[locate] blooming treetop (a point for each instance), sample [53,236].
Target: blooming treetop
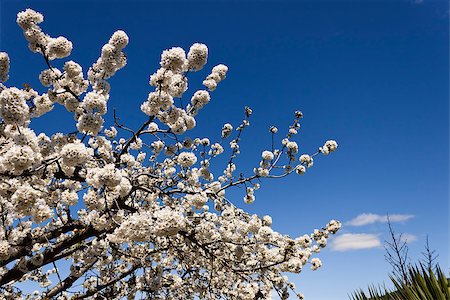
[143,214]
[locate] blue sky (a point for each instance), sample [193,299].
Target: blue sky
[372,75]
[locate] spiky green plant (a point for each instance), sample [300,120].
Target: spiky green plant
[422,284]
[375,293]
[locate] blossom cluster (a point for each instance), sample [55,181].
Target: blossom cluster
[39,41]
[170,81]
[138,212]
[4,66]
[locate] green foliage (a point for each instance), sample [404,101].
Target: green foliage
[422,285]
[374,294]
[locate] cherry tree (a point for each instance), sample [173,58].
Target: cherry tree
[109,212]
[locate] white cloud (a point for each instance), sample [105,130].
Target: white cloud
[355,241]
[408,238]
[366,219]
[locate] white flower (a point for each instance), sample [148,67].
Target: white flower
[200,98]
[197,56]
[137,144]
[304,241]
[111,133]
[328,147]
[149,108]
[157,146]
[205,141]
[109,175]
[119,39]
[29,17]
[273,129]
[189,121]
[162,78]
[13,106]
[59,47]
[90,123]
[306,160]
[153,127]
[216,149]
[4,250]
[267,220]
[218,74]
[187,159]
[226,130]
[333,226]
[69,197]
[267,155]
[94,102]
[178,85]
[300,170]
[254,224]
[198,200]
[75,154]
[231,167]
[72,69]
[174,59]
[263,172]
[42,105]
[322,242]
[221,70]
[210,84]
[293,147]
[316,263]
[234,145]
[139,226]
[4,66]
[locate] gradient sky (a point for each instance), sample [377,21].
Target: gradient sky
[372,75]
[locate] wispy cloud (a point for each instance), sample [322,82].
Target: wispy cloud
[408,237]
[355,241]
[366,219]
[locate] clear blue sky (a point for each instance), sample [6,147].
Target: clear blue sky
[371,74]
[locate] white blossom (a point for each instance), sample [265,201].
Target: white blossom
[119,39]
[329,146]
[13,106]
[4,66]
[111,133]
[137,208]
[187,159]
[267,155]
[59,47]
[90,123]
[200,98]
[174,59]
[226,130]
[75,154]
[197,56]
[300,170]
[316,263]
[306,160]
[293,147]
[218,74]
[273,129]
[4,250]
